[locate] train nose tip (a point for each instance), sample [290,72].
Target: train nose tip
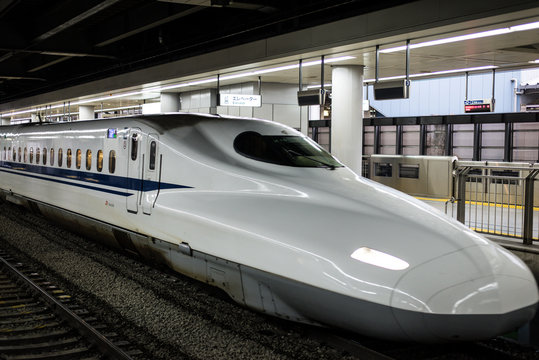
[474,293]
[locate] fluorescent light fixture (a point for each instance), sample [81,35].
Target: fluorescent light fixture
[191,83]
[443,72]
[380,259]
[482,34]
[536,61]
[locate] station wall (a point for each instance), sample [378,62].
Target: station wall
[446,95]
[279,102]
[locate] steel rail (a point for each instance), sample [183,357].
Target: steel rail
[101,342]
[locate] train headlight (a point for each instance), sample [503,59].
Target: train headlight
[378,258]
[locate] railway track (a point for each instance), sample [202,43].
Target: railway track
[39,321]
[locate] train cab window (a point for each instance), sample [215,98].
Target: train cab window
[134,147]
[99,161]
[112,161]
[88,159]
[68,158]
[25,154]
[31,155]
[44,156]
[295,151]
[78,159]
[38,156]
[153,153]
[60,157]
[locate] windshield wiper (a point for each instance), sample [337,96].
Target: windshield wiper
[324,164]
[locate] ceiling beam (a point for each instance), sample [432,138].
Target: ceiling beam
[155,24]
[77,19]
[58,53]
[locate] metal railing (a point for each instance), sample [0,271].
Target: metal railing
[498,198]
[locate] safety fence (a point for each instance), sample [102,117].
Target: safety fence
[497,198]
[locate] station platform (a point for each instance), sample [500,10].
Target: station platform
[491,224]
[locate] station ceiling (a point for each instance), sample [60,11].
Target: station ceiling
[63,44]
[57,44]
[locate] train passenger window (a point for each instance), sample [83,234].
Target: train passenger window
[52,157]
[88,159]
[134,147]
[99,160]
[44,156]
[31,155]
[60,157]
[20,153]
[112,161]
[5,150]
[38,156]
[78,159]
[68,158]
[9,152]
[409,171]
[296,151]
[153,152]
[25,154]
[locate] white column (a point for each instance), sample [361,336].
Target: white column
[6,121]
[170,102]
[347,115]
[86,112]
[34,118]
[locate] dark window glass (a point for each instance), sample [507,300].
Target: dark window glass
[68,158]
[5,152]
[52,157]
[31,155]
[25,154]
[88,159]
[9,152]
[383,169]
[409,171]
[60,157]
[44,156]
[78,159]
[38,155]
[112,161]
[14,156]
[99,160]
[153,153]
[134,146]
[284,150]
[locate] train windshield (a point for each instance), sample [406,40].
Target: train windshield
[295,151]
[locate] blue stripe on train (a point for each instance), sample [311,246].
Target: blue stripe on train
[121,182]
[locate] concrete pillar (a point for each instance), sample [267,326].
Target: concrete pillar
[86,112]
[6,121]
[347,115]
[170,102]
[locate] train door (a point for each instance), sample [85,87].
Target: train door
[151,173]
[134,169]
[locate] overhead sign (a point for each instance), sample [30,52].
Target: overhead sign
[240,100]
[480,105]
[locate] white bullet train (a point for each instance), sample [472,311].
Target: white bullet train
[261,211]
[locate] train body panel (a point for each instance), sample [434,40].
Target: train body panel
[307,240]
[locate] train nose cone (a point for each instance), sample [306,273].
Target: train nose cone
[474,293]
